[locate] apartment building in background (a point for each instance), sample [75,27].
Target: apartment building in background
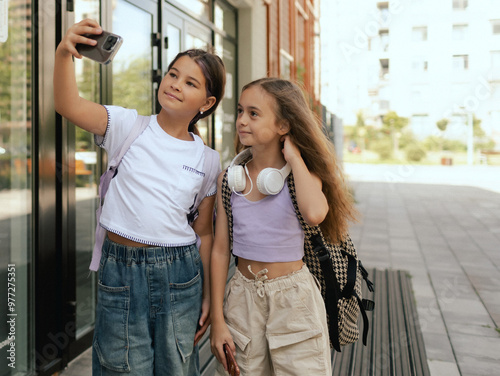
[426,60]
[49,169]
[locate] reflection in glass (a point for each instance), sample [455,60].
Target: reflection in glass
[201,8]
[225,115]
[174,42]
[87,77]
[225,19]
[194,41]
[195,38]
[15,188]
[132,66]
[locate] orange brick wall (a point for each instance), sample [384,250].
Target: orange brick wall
[290,25]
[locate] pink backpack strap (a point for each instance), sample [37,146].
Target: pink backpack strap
[139,126]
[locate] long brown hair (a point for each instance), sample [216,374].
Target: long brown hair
[215,79]
[316,150]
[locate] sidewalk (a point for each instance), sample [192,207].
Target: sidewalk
[448,238]
[442,225]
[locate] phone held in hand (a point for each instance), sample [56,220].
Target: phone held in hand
[232,366]
[105,50]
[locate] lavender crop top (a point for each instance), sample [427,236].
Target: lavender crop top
[267,230]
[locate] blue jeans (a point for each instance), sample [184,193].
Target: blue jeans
[148,307]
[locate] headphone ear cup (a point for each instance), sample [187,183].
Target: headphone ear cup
[236,178]
[270,181]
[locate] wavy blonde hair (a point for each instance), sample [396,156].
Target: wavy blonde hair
[316,149]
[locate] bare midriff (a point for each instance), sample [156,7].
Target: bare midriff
[274,269]
[124,241]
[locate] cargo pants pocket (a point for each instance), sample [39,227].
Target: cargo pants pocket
[111,341]
[186,307]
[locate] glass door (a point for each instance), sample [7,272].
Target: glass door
[15,187]
[86,186]
[133,66]
[126,82]
[182,33]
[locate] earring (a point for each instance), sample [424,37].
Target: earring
[201,112]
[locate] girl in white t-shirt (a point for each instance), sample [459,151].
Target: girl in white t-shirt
[153,290]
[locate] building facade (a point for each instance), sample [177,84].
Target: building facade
[426,60]
[49,169]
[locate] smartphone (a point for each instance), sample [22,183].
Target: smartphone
[105,50]
[232,366]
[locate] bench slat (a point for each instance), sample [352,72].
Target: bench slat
[395,345]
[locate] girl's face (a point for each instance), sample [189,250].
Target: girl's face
[183,89]
[256,123]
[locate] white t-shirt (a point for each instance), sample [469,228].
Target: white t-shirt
[157,182]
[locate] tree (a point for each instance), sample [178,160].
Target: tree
[442,125]
[476,126]
[360,129]
[394,124]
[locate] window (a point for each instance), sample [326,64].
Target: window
[384,68]
[459,32]
[495,65]
[460,62]
[200,8]
[384,105]
[495,24]
[286,61]
[383,8]
[419,64]
[419,34]
[460,4]
[384,40]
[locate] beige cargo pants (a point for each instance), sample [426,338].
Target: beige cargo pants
[278,326]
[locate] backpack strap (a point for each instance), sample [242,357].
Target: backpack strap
[139,126]
[316,252]
[226,202]
[211,169]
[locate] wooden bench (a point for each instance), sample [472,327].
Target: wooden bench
[395,346]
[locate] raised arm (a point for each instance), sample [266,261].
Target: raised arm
[308,187]
[86,114]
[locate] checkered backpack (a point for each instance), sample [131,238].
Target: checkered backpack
[336,267]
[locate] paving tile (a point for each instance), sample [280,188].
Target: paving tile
[440,368]
[475,346]
[471,366]
[440,349]
[472,329]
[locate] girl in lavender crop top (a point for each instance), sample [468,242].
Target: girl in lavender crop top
[271,313]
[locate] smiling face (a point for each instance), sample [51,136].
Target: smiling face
[183,89]
[256,123]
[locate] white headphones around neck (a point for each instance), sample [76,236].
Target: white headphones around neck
[270,180]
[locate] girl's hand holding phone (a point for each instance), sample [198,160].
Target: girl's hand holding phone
[232,366]
[86,38]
